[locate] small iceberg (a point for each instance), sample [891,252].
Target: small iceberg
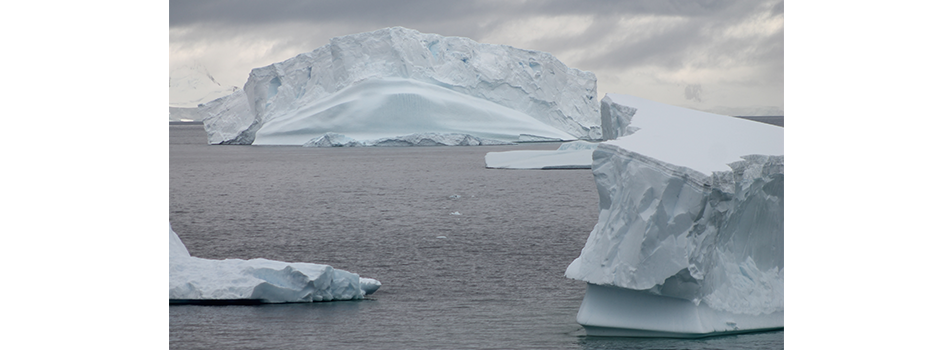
[570,155]
[236,281]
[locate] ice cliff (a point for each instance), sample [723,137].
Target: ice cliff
[398,81]
[192,279]
[690,236]
[615,119]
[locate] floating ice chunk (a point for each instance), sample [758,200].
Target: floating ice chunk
[570,155]
[419,139]
[536,138]
[689,241]
[332,139]
[397,81]
[434,139]
[455,213]
[192,279]
[577,145]
[539,160]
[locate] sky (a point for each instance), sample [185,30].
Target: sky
[720,56]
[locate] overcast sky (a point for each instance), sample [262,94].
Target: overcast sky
[700,54]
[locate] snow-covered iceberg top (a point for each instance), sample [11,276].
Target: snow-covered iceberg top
[570,155]
[193,279]
[691,208]
[700,141]
[398,81]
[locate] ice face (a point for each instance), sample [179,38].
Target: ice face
[228,120]
[692,209]
[192,279]
[397,81]
[615,119]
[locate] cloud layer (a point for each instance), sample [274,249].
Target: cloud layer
[699,54]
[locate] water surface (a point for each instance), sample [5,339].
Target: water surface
[496,279]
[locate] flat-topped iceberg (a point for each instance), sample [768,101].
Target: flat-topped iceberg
[690,238]
[196,280]
[398,81]
[570,155]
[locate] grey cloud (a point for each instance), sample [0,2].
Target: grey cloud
[388,13]
[694,92]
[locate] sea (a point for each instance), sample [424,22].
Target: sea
[468,257]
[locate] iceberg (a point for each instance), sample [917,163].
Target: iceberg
[418,139]
[397,81]
[570,155]
[690,237]
[197,280]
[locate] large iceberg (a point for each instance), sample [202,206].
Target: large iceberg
[690,237]
[397,81]
[196,280]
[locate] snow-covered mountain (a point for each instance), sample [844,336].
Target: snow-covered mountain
[190,85]
[397,81]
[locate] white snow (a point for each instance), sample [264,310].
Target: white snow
[701,141]
[570,155]
[691,216]
[397,81]
[191,84]
[193,279]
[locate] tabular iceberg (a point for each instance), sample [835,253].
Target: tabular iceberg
[398,81]
[690,237]
[196,280]
[570,155]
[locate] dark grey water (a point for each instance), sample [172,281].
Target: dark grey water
[495,281]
